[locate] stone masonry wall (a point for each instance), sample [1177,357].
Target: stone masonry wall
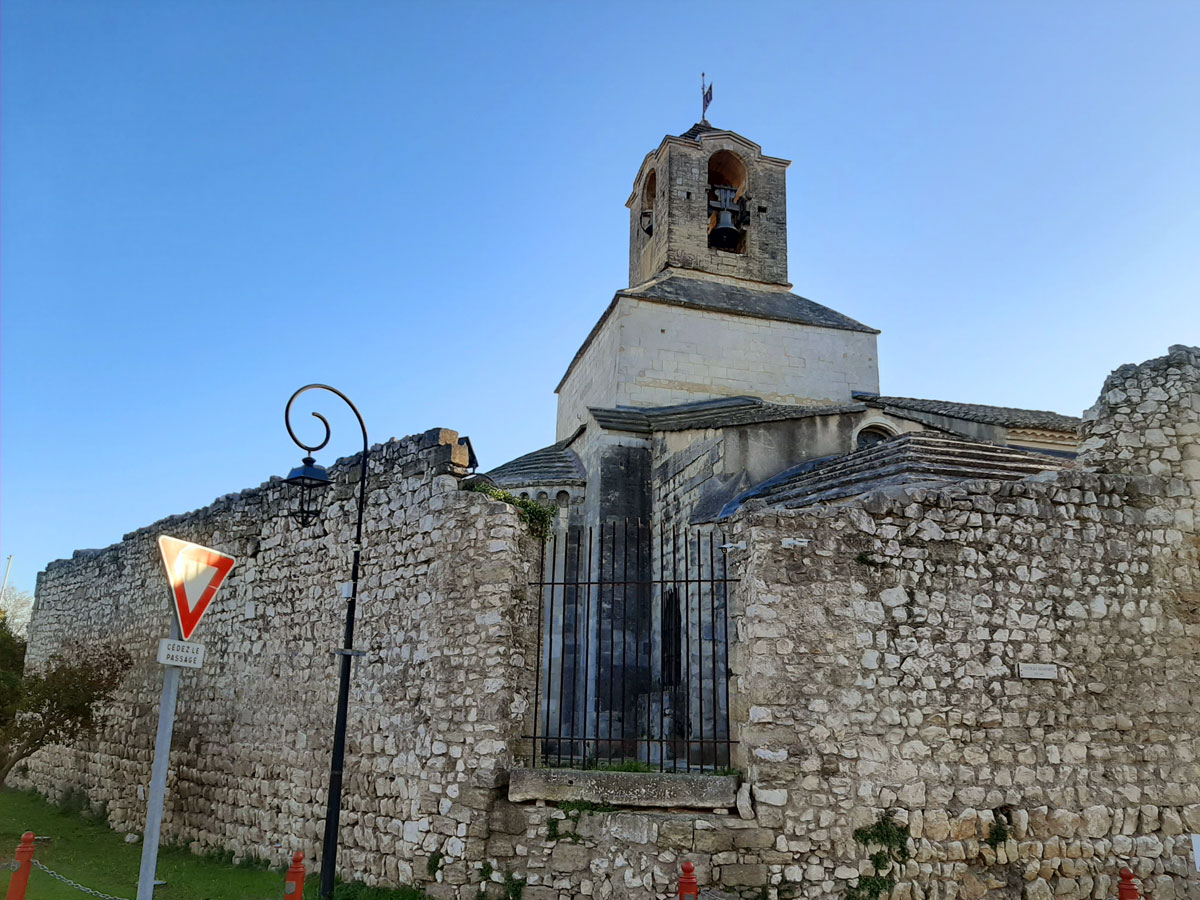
[878,667]
[687,213]
[436,704]
[673,354]
[591,381]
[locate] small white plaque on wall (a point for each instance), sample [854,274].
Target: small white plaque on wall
[1038,670]
[1196,850]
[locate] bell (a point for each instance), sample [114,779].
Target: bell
[724,235]
[725,228]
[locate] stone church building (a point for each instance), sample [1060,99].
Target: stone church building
[707,383]
[775,606]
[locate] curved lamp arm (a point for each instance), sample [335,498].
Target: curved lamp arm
[312,448]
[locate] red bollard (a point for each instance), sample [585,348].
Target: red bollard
[1126,889]
[20,879]
[688,886]
[293,885]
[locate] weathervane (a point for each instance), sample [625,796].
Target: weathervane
[705,99]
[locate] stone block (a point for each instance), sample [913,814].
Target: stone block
[747,875]
[624,788]
[569,857]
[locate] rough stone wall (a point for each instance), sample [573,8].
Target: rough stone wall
[630,853]
[648,252]
[437,702]
[765,256]
[875,667]
[878,667]
[1147,420]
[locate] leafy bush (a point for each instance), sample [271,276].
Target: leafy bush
[56,705]
[538,517]
[891,839]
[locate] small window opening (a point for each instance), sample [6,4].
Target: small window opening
[672,640]
[563,499]
[875,434]
[727,215]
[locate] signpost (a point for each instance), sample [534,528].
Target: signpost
[195,574]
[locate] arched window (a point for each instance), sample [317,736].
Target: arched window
[563,498]
[727,216]
[649,190]
[872,435]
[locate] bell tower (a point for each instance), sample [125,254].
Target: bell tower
[709,201]
[708,313]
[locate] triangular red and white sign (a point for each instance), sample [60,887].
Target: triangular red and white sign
[195,573]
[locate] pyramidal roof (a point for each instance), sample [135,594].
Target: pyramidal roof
[701,127]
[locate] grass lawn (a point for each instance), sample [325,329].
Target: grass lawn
[87,851]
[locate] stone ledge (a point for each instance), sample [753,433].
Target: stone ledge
[650,789]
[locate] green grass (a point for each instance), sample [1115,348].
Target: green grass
[87,851]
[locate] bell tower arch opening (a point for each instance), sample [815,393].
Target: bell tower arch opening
[727,214]
[648,193]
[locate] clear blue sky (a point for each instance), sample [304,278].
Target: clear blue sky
[208,204]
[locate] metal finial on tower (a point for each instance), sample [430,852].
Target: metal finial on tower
[705,99]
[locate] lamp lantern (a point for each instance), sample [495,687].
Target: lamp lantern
[310,481]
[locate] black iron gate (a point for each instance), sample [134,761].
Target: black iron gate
[634,638]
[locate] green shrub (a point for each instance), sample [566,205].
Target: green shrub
[538,517]
[891,839]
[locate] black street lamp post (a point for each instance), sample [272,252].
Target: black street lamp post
[312,478]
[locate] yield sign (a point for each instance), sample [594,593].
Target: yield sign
[195,574]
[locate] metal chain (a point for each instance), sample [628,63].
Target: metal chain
[74,884]
[9,865]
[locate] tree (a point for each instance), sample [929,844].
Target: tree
[57,704]
[16,606]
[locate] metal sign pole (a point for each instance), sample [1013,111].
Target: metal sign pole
[158,776]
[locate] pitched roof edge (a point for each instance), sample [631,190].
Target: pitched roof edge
[982,413]
[666,301]
[587,341]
